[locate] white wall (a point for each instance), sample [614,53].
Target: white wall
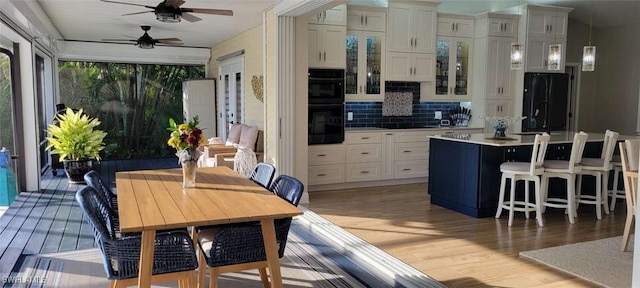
[251,42]
[270,80]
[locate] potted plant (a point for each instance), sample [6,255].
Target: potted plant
[77,141]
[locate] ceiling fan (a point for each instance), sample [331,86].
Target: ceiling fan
[147,42]
[170,11]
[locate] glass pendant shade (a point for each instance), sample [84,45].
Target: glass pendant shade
[517,50]
[555,57]
[589,58]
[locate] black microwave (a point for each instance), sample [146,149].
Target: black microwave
[326,86]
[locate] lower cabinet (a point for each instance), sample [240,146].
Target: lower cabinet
[372,156]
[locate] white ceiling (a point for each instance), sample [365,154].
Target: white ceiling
[93,20]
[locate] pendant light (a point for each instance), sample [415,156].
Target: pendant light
[517,52]
[555,50]
[589,52]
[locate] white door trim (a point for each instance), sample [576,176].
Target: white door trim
[229,67]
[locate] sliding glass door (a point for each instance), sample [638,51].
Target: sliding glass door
[8,175]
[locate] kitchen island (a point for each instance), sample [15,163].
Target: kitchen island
[464,169]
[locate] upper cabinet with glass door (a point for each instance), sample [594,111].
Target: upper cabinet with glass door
[453,59]
[364,76]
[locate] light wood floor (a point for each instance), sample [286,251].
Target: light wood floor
[458,250]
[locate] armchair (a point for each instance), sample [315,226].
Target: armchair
[223,154]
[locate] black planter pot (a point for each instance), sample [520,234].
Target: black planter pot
[75,170]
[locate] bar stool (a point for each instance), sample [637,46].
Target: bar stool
[566,170]
[599,168]
[614,193]
[527,171]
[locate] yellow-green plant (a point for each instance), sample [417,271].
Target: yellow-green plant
[75,136]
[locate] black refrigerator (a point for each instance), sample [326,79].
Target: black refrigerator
[545,102]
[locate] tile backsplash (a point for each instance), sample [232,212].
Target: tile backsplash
[369,114]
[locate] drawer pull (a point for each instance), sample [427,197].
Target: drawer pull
[365,153]
[406,151]
[406,169]
[364,138]
[364,172]
[321,155]
[321,175]
[389,134]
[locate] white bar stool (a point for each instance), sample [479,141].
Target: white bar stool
[614,193]
[529,172]
[566,170]
[599,168]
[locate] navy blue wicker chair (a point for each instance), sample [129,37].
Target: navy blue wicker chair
[93,179]
[174,256]
[263,174]
[240,246]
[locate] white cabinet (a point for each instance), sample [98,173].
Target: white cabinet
[502,108]
[414,67]
[547,23]
[454,27]
[364,20]
[199,99]
[543,26]
[334,16]
[364,77]
[326,46]
[326,164]
[411,28]
[537,54]
[500,79]
[496,25]
[453,68]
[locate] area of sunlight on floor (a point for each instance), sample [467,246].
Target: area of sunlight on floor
[2,209]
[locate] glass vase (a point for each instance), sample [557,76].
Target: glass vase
[188,174]
[500,133]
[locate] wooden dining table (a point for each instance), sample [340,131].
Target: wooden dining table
[151,200]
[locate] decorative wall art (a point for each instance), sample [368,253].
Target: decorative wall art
[256,84]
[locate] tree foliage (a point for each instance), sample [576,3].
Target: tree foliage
[133,101]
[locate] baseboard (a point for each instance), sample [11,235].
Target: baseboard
[364,184]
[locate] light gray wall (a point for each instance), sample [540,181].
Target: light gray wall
[609,96]
[577,38]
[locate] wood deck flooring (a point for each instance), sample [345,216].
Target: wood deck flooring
[50,220]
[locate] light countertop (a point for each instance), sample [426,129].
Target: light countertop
[429,128]
[520,140]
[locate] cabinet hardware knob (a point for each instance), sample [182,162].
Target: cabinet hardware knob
[321,155]
[364,153]
[364,138]
[456,26]
[406,169]
[366,20]
[325,55]
[364,172]
[324,15]
[361,19]
[321,175]
[389,134]
[415,42]
[319,56]
[406,151]
[452,27]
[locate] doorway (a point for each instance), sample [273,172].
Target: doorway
[8,167]
[573,70]
[230,94]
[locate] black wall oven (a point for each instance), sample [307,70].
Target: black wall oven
[326,106]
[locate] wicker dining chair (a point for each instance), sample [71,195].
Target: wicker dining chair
[94,179]
[263,174]
[174,257]
[240,246]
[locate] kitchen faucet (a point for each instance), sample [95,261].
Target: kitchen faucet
[535,114]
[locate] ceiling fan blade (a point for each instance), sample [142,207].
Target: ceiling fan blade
[168,40]
[125,3]
[135,13]
[120,40]
[171,43]
[190,17]
[209,11]
[174,3]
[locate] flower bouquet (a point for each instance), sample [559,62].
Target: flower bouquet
[500,124]
[186,138]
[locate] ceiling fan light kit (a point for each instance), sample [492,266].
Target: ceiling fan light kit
[168,17]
